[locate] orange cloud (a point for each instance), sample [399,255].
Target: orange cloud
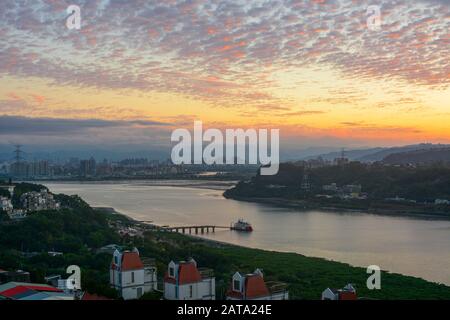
[38,98]
[14,96]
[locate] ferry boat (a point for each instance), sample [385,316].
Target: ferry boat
[242,225]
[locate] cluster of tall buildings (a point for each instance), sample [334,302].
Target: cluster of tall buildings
[39,168]
[87,168]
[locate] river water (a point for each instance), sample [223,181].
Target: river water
[410,246]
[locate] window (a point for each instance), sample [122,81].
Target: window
[236,285]
[132,277]
[171,272]
[190,291]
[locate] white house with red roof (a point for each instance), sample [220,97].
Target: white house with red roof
[185,281]
[253,287]
[130,277]
[347,293]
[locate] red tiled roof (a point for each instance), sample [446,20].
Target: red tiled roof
[43,288]
[14,291]
[131,261]
[234,294]
[255,287]
[88,296]
[346,295]
[169,279]
[21,289]
[187,273]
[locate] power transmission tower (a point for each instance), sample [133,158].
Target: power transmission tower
[18,153]
[18,168]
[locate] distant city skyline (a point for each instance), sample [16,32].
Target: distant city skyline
[59,154]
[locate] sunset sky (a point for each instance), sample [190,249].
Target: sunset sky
[137,69]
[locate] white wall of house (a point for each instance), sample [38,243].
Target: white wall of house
[129,284]
[132,278]
[170,291]
[208,289]
[204,290]
[185,292]
[280,296]
[328,294]
[238,282]
[132,284]
[133,292]
[189,291]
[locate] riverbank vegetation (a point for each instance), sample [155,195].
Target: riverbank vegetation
[386,189]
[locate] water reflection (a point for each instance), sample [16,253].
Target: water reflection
[419,247]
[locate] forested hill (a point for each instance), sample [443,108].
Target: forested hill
[420,157]
[377,180]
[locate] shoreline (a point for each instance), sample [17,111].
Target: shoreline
[305,205]
[218,185]
[225,185]
[111,210]
[206,179]
[219,243]
[293,268]
[154,224]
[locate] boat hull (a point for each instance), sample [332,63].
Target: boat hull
[246,229]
